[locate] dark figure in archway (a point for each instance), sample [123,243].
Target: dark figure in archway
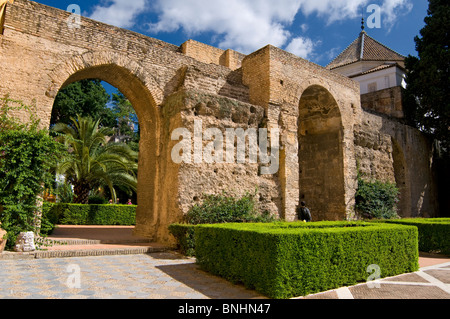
[303,212]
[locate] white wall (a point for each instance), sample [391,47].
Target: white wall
[380,80]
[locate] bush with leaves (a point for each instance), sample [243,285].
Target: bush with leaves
[217,209]
[375,199]
[28,157]
[225,208]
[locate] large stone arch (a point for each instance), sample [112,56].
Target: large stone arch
[146,97]
[77,66]
[321,155]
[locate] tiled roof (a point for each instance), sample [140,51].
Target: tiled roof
[365,48]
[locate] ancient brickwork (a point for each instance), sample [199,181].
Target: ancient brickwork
[324,132]
[387,101]
[388,150]
[209,54]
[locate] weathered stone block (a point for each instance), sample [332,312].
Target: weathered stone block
[25,242]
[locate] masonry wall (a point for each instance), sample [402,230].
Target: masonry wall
[387,101]
[196,180]
[278,84]
[209,54]
[269,88]
[388,150]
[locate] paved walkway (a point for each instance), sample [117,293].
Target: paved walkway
[168,275]
[129,274]
[432,282]
[144,276]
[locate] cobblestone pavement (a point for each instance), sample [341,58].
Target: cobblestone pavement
[168,275]
[432,282]
[145,276]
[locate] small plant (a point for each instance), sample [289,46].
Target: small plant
[375,199]
[224,208]
[217,209]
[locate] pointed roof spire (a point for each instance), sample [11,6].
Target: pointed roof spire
[362,24]
[365,48]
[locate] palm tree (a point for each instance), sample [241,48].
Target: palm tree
[93,162]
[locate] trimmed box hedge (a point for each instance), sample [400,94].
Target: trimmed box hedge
[434,233]
[284,260]
[184,235]
[78,214]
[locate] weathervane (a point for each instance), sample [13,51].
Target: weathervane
[362,20]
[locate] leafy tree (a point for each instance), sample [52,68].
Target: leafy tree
[28,157]
[86,98]
[93,162]
[427,97]
[127,121]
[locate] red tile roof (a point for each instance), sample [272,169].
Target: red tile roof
[365,48]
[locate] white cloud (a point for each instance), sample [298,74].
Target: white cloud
[391,9]
[333,10]
[304,27]
[242,25]
[120,13]
[302,47]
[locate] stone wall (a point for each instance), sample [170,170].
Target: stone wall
[388,150]
[209,54]
[278,81]
[323,129]
[387,101]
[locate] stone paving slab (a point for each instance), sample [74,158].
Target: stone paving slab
[431,282]
[142,270]
[145,276]
[168,275]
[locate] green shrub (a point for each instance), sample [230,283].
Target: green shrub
[97,200]
[375,199]
[217,209]
[184,235]
[434,233]
[28,157]
[283,260]
[225,208]
[79,214]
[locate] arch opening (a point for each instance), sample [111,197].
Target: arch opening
[142,101]
[321,163]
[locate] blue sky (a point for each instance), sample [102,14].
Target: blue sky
[317,30]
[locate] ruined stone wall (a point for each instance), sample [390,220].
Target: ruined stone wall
[388,150]
[323,129]
[209,54]
[278,84]
[387,101]
[198,179]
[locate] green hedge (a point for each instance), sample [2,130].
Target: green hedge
[284,260]
[78,214]
[184,234]
[434,233]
